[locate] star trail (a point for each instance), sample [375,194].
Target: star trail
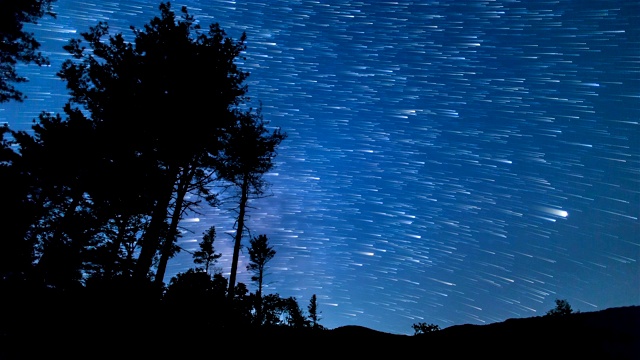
[447,162]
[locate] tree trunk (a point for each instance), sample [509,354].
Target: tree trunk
[244,197]
[259,302]
[109,266]
[151,239]
[166,252]
[56,268]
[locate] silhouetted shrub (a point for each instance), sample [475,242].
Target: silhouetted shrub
[423,328]
[562,308]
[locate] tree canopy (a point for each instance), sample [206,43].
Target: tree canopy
[18,45]
[249,155]
[137,93]
[159,120]
[207,255]
[152,130]
[562,308]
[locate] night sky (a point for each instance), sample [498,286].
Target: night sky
[447,162]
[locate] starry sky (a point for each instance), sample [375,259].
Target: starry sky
[447,162]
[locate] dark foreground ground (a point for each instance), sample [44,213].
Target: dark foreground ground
[608,334]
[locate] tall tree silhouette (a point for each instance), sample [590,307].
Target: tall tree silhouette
[57,175]
[17,45]
[207,255]
[20,212]
[136,93]
[294,314]
[249,153]
[260,253]
[314,314]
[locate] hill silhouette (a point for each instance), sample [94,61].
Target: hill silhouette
[607,334]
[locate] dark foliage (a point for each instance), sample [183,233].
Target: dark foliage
[96,195]
[249,154]
[314,313]
[424,328]
[260,253]
[18,45]
[17,255]
[196,289]
[207,255]
[133,94]
[562,308]
[113,209]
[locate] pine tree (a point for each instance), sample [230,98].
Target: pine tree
[562,308]
[314,314]
[260,253]
[136,92]
[207,255]
[249,154]
[19,46]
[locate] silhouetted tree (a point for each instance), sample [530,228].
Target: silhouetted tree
[280,311]
[249,153]
[260,253]
[20,212]
[135,93]
[423,328]
[314,314]
[294,315]
[57,175]
[198,290]
[207,255]
[562,308]
[272,309]
[241,314]
[17,45]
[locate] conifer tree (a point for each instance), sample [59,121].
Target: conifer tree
[18,45]
[314,314]
[206,255]
[249,153]
[260,253]
[136,92]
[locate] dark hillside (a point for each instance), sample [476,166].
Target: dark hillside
[608,334]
